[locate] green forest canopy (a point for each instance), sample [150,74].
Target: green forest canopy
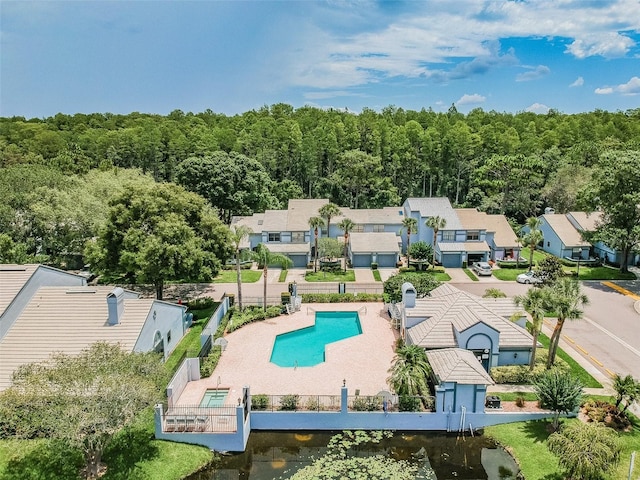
[55,170]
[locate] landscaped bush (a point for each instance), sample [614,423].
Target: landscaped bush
[604,412]
[201,303]
[406,269]
[289,402]
[520,374]
[374,266]
[253,314]
[366,404]
[512,264]
[408,404]
[210,362]
[340,297]
[259,402]
[222,326]
[313,405]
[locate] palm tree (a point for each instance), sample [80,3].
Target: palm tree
[533,237]
[409,224]
[534,302]
[238,234]
[265,257]
[346,225]
[565,298]
[627,389]
[327,212]
[315,223]
[409,371]
[436,223]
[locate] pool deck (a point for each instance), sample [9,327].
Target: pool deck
[363,360]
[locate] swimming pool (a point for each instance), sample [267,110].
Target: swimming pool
[214,397]
[305,347]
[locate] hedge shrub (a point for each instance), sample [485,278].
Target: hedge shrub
[520,374]
[253,314]
[341,297]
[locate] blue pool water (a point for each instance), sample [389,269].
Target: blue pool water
[305,347]
[214,398]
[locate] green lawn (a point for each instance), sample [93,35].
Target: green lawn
[230,276]
[600,273]
[349,276]
[190,343]
[508,274]
[376,275]
[527,441]
[283,275]
[471,275]
[576,369]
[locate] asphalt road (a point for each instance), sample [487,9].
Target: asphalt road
[609,334]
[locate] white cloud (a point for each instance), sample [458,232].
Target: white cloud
[632,87]
[473,99]
[578,82]
[533,74]
[538,108]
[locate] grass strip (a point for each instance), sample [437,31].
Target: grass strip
[376,275]
[470,274]
[231,276]
[576,369]
[348,276]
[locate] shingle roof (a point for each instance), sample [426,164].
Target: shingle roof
[12,279]
[504,236]
[382,242]
[436,207]
[67,319]
[448,309]
[567,233]
[463,246]
[379,216]
[459,366]
[299,213]
[287,248]
[587,221]
[254,222]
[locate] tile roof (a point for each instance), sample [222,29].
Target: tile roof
[67,319]
[378,242]
[587,221]
[436,207]
[12,279]
[567,233]
[448,309]
[458,365]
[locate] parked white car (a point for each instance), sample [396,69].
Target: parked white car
[528,277]
[481,268]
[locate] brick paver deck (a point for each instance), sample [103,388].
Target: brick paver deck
[363,361]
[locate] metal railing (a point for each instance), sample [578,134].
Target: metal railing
[295,403]
[185,418]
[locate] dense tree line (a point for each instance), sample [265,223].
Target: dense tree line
[58,173]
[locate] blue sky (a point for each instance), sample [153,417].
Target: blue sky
[122,56]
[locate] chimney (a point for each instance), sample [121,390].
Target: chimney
[408,295]
[115,304]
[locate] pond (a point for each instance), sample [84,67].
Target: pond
[273,455]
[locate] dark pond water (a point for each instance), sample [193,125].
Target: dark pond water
[273,455]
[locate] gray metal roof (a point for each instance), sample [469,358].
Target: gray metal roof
[458,365]
[448,309]
[436,207]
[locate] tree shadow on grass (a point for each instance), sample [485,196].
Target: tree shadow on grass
[537,430]
[125,451]
[44,461]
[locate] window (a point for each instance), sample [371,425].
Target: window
[449,236]
[274,237]
[378,228]
[169,336]
[358,228]
[474,235]
[576,253]
[297,237]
